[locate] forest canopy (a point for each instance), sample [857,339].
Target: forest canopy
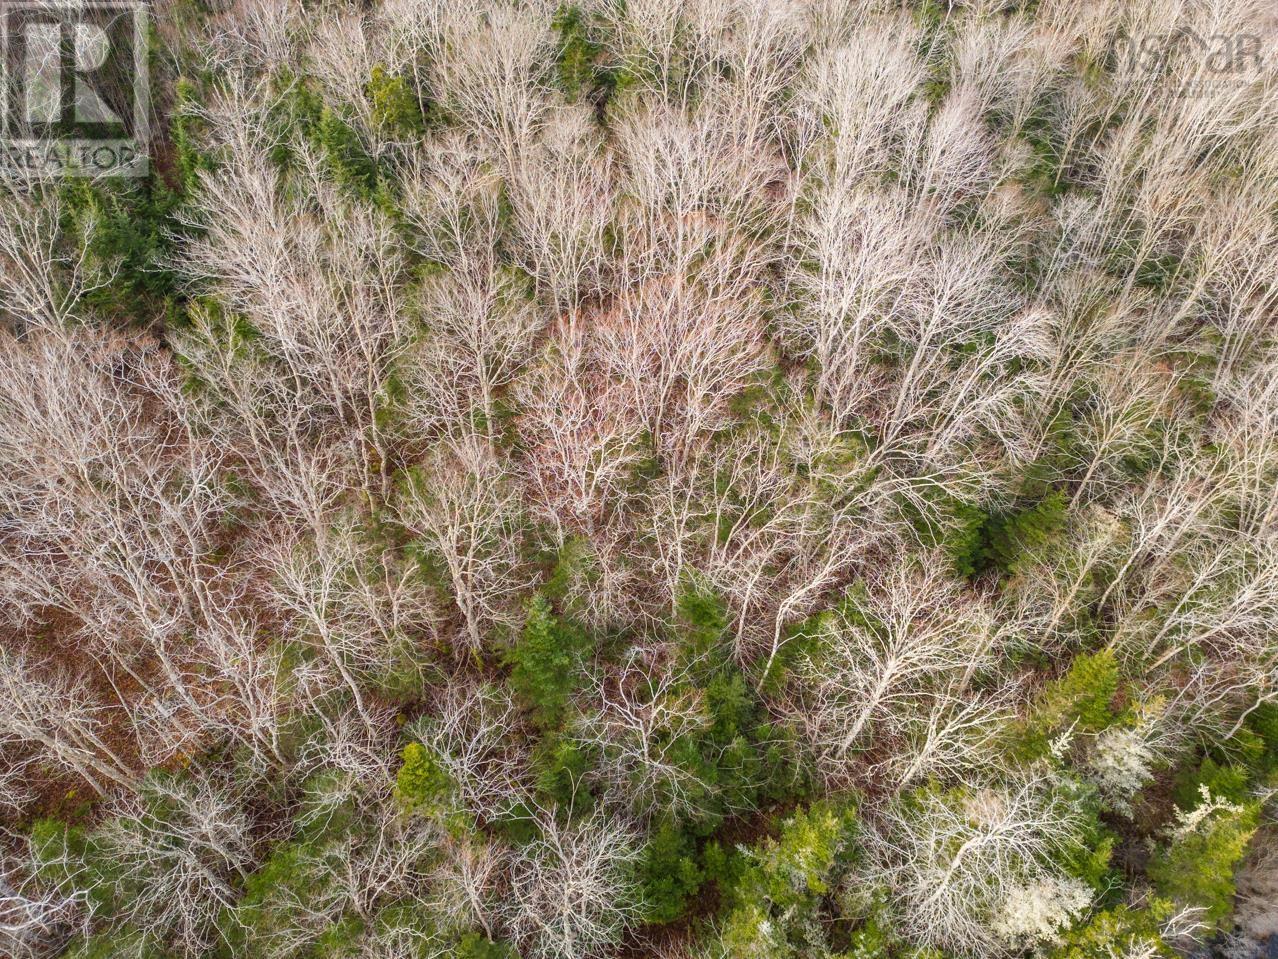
[689,479]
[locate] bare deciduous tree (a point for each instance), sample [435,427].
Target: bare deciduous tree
[175,855]
[59,719]
[465,510]
[492,74]
[645,726]
[899,664]
[571,888]
[473,735]
[955,862]
[359,607]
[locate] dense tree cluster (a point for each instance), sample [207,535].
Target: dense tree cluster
[768,479]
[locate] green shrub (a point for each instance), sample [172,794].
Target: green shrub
[125,231]
[1223,782]
[746,760]
[702,622]
[346,155]
[185,132]
[326,810]
[1196,866]
[339,940]
[977,541]
[475,946]
[573,564]
[878,937]
[1013,539]
[1120,931]
[1083,695]
[74,860]
[57,850]
[422,784]
[575,67]
[120,943]
[1259,741]
[773,893]
[955,528]
[669,875]
[963,538]
[546,662]
[870,941]
[394,105]
[560,765]
[266,917]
